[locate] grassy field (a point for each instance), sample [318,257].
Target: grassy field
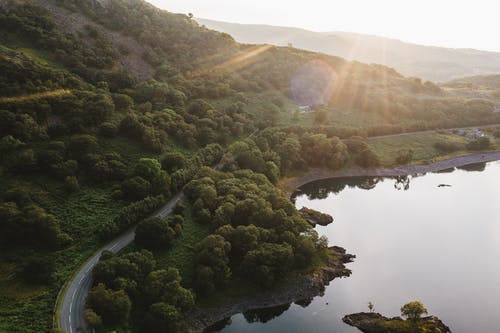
[422,146]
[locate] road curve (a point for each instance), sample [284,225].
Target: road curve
[71,301]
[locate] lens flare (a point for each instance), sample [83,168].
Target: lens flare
[313,84]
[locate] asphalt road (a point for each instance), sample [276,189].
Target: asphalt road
[72,305]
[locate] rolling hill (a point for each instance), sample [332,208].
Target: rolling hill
[110,108]
[428,62]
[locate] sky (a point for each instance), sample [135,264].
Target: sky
[448,23]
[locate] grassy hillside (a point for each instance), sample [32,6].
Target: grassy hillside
[108,108]
[428,62]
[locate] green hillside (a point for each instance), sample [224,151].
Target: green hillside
[109,108]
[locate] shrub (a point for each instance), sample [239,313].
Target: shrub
[154,232]
[447,146]
[479,144]
[367,159]
[108,130]
[404,156]
[71,184]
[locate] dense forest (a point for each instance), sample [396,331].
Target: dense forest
[109,108]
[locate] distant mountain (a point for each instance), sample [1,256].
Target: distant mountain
[479,81]
[427,62]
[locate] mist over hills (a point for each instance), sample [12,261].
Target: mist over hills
[427,62]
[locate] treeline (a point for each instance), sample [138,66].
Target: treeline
[257,232]
[133,281]
[275,152]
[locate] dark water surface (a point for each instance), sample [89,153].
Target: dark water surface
[413,240]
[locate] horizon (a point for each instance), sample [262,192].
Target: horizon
[426,23]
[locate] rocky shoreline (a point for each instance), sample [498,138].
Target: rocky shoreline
[307,287]
[318,174]
[313,217]
[300,288]
[369,322]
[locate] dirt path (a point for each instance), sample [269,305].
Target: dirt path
[378,137]
[318,174]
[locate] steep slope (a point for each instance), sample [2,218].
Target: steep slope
[427,62]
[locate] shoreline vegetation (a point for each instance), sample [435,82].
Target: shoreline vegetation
[312,285]
[297,289]
[291,185]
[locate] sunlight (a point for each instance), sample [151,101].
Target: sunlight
[40,95]
[234,63]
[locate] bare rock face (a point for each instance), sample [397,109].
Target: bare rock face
[314,217]
[369,322]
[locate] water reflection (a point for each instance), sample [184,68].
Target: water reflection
[444,226]
[479,167]
[321,188]
[402,183]
[449,170]
[266,314]
[262,315]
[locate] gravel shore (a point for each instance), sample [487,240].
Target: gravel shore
[318,174]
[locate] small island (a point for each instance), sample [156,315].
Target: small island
[370,322]
[313,217]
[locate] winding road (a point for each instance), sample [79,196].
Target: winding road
[72,299]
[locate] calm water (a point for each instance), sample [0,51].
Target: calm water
[413,240]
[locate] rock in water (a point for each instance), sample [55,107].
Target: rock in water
[314,217]
[369,322]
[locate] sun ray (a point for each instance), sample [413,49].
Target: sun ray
[40,95]
[238,61]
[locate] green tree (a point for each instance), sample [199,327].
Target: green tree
[371,306]
[93,318]
[148,168]
[367,159]
[212,260]
[165,286]
[154,232]
[112,306]
[80,145]
[267,264]
[173,161]
[163,317]
[413,310]
[136,188]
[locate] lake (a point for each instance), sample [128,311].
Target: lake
[414,240]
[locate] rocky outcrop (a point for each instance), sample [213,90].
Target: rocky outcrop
[298,289]
[313,217]
[376,323]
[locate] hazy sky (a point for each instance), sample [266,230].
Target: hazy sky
[450,23]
